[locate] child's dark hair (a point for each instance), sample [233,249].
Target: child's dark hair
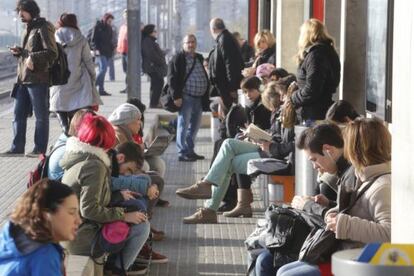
[252,82]
[132,152]
[279,73]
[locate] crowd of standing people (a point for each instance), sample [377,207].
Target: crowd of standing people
[110,184]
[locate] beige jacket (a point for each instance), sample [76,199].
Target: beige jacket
[369,220]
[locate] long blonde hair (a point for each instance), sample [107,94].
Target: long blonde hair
[312,31]
[265,35]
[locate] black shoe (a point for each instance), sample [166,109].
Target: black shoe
[186,158]
[196,156]
[162,203]
[227,206]
[11,153]
[104,93]
[33,154]
[123,91]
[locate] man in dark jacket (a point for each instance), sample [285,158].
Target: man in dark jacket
[35,56]
[225,63]
[188,83]
[246,50]
[153,63]
[104,48]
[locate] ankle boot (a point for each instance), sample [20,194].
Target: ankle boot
[243,208]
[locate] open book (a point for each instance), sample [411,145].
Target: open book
[257,134]
[158,145]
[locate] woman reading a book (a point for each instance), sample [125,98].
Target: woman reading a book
[233,157]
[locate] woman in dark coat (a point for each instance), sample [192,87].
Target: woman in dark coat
[319,71]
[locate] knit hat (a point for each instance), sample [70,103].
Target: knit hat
[124,114]
[264,70]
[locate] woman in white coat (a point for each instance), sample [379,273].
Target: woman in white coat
[80,91]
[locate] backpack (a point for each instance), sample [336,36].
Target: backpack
[59,71]
[42,167]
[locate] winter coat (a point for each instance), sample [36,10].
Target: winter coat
[80,91]
[38,43]
[102,39]
[369,220]
[153,58]
[177,73]
[87,171]
[225,65]
[267,56]
[20,255]
[247,52]
[258,114]
[318,77]
[122,46]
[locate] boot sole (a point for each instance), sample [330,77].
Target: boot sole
[238,215]
[200,222]
[192,196]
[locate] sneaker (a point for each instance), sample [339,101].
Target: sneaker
[157,235]
[11,153]
[33,154]
[196,156]
[202,216]
[104,93]
[162,203]
[147,255]
[185,158]
[134,269]
[200,190]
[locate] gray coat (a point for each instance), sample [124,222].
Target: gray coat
[80,91]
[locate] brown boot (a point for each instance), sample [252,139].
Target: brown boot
[243,208]
[202,216]
[200,190]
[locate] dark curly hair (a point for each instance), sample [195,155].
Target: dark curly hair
[45,196]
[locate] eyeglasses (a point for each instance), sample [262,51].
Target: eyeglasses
[190,42]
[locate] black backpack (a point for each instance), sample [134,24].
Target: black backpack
[59,71]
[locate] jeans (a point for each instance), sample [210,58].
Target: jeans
[189,119]
[102,67]
[264,264]
[157,83]
[111,67]
[138,235]
[30,96]
[231,158]
[299,268]
[125,66]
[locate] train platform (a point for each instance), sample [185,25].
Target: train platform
[215,249]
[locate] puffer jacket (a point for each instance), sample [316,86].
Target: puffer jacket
[369,220]
[318,77]
[87,171]
[80,91]
[38,43]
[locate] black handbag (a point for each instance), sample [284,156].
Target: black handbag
[167,100]
[321,243]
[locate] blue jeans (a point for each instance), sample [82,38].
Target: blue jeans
[102,67]
[231,158]
[299,268]
[189,119]
[138,235]
[111,68]
[264,264]
[28,97]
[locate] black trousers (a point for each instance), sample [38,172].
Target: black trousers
[157,83]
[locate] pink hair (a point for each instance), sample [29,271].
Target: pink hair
[96,131]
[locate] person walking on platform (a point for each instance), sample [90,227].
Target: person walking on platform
[104,49]
[37,53]
[153,63]
[225,63]
[80,91]
[189,84]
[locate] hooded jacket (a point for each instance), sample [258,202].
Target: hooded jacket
[87,171]
[39,43]
[20,255]
[80,91]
